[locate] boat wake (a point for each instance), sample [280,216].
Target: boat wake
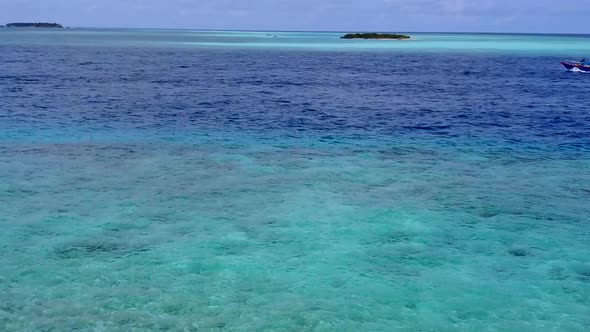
[578,70]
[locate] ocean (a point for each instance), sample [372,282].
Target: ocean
[282,181]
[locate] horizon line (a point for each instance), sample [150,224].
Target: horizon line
[331,31]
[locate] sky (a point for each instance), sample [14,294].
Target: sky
[310,15]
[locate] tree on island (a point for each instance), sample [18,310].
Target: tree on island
[34,25]
[374,36]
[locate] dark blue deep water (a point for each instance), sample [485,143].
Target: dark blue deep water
[295,94]
[291,189]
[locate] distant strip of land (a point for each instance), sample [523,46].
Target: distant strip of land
[34,25]
[374,36]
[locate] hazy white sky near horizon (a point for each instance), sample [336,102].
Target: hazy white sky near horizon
[313,15]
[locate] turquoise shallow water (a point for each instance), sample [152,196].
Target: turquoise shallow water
[159,185]
[431,42]
[283,237]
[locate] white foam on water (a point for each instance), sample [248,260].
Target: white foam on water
[578,70]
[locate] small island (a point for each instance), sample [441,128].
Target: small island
[375,36]
[34,25]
